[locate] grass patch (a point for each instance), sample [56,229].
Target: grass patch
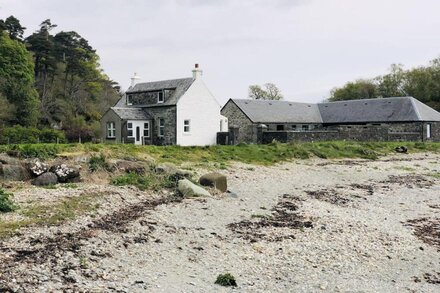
[40,214]
[70,185]
[220,156]
[435,175]
[98,162]
[403,168]
[151,181]
[6,203]
[226,280]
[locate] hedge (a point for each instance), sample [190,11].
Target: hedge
[26,135]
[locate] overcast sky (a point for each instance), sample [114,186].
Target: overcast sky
[306,47]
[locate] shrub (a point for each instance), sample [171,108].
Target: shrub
[226,280]
[29,135]
[98,163]
[146,182]
[41,151]
[6,204]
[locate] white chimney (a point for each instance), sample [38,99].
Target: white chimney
[197,72]
[134,80]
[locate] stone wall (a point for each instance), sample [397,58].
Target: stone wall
[169,114]
[247,129]
[148,98]
[413,131]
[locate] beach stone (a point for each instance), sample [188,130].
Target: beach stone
[166,168]
[216,180]
[66,174]
[7,160]
[37,167]
[189,189]
[131,167]
[401,149]
[45,179]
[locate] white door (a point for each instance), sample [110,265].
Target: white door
[137,129]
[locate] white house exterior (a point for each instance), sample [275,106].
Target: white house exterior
[180,111]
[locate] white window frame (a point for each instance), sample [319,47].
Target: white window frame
[147,129]
[187,123]
[129,101]
[111,129]
[159,100]
[130,129]
[161,127]
[428,130]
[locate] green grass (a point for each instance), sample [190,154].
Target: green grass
[42,214]
[226,280]
[220,156]
[435,175]
[6,203]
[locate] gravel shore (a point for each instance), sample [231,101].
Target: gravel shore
[303,226]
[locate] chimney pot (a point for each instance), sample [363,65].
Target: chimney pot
[197,65]
[197,72]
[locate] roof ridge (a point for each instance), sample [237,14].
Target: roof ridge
[165,80]
[416,109]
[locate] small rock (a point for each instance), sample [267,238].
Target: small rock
[45,179]
[189,189]
[216,180]
[65,173]
[37,167]
[401,149]
[14,172]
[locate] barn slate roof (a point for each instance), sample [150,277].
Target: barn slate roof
[263,111]
[395,109]
[131,113]
[180,85]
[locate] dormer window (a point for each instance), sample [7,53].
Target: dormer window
[160,98]
[129,100]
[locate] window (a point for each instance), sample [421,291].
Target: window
[147,129]
[293,127]
[160,98]
[280,127]
[130,129]
[305,127]
[111,130]
[161,127]
[428,130]
[129,100]
[186,127]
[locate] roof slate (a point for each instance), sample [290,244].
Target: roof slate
[263,111]
[395,109]
[131,113]
[180,85]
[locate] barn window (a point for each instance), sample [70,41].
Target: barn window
[111,129]
[280,127]
[305,127]
[428,130]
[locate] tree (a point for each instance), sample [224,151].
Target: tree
[392,84]
[360,89]
[17,75]
[14,28]
[271,92]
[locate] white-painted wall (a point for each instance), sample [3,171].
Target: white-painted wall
[200,107]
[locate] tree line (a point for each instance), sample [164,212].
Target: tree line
[422,83]
[52,80]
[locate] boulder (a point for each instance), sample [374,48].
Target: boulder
[37,167]
[45,179]
[131,167]
[66,173]
[7,160]
[216,180]
[401,149]
[189,189]
[14,172]
[172,170]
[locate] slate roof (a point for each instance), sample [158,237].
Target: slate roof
[396,109]
[180,85]
[263,111]
[131,113]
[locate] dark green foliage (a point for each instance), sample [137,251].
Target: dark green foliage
[6,204]
[14,28]
[17,80]
[422,83]
[23,135]
[98,162]
[41,151]
[226,280]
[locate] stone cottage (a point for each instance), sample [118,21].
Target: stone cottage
[178,111]
[388,119]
